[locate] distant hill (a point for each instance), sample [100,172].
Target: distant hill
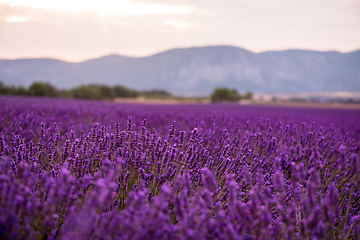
[199,70]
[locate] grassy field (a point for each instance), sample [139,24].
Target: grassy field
[312,105]
[163,100]
[205,100]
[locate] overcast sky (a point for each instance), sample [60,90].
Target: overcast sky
[76,30]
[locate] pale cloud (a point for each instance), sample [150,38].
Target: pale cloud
[73,30]
[176,24]
[16,19]
[104,6]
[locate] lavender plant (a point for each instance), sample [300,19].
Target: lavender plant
[96,170]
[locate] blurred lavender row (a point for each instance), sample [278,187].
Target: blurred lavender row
[100,170]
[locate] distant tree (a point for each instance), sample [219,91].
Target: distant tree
[3,88]
[12,90]
[107,92]
[156,93]
[21,91]
[247,95]
[87,92]
[43,89]
[93,91]
[224,94]
[66,93]
[124,92]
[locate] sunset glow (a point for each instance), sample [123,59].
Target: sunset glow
[103,7]
[176,24]
[76,30]
[15,19]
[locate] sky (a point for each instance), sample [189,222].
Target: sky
[77,30]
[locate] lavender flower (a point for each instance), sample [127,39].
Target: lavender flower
[248,173]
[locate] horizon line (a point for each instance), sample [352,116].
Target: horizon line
[169,49]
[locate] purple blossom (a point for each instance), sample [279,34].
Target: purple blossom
[87,170]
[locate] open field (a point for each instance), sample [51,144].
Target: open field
[179,101]
[76,169]
[169,100]
[311,105]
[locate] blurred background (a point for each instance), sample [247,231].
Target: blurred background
[202,51]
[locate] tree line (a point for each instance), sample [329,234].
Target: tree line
[224,94]
[103,92]
[91,91]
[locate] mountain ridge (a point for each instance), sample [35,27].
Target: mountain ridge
[198,70]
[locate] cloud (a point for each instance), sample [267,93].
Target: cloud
[149,26]
[176,24]
[16,19]
[104,6]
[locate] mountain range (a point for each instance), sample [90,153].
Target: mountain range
[198,70]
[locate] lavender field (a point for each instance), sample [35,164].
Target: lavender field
[100,170]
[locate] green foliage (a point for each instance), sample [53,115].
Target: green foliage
[224,94]
[43,89]
[93,91]
[247,95]
[66,93]
[103,92]
[2,88]
[12,90]
[107,92]
[124,92]
[156,94]
[21,91]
